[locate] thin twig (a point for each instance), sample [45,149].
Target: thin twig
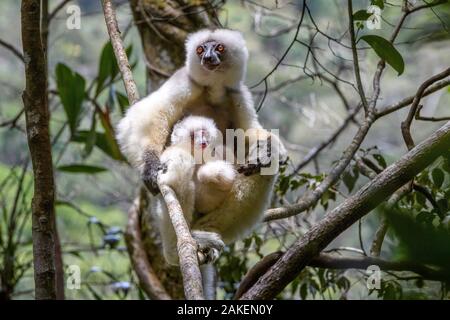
[13,50]
[406,125]
[355,57]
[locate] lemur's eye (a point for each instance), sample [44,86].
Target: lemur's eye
[199,50]
[220,48]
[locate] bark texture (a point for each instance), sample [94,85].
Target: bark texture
[186,245]
[37,123]
[347,213]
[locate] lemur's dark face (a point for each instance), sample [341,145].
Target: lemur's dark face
[211,54]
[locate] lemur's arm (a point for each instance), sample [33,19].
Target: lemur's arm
[143,132]
[264,147]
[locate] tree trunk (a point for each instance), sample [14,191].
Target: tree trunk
[37,123]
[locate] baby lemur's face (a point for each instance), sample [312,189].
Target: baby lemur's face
[197,132]
[201,138]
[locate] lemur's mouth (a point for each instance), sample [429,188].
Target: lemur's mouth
[203,145]
[210,66]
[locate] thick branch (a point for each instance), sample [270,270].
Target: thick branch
[186,245]
[37,122]
[147,277]
[347,213]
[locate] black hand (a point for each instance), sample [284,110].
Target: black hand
[259,157]
[152,167]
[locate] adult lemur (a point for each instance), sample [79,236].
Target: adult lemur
[211,85]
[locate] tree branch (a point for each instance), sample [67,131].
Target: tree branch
[57,9]
[13,50]
[406,125]
[312,154]
[148,279]
[351,28]
[353,208]
[330,261]
[119,51]
[186,245]
[310,198]
[407,101]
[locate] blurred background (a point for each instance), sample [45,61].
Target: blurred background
[95,187]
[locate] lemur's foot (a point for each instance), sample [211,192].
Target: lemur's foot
[210,245]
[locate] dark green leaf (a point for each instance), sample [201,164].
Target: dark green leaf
[349,180]
[303,291]
[91,137]
[101,142]
[361,15]
[443,205]
[107,67]
[71,90]
[380,160]
[386,51]
[123,102]
[378,3]
[438,177]
[81,168]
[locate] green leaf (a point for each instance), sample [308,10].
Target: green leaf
[348,180]
[123,102]
[304,291]
[81,168]
[380,160]
[101,142]
[361,15]
[438,177]
[71,90]
[107,67]
[386,51]
[378,3]
[91,137]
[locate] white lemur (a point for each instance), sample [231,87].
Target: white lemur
[211,85]
[195,168]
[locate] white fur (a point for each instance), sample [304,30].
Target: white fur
[148,123]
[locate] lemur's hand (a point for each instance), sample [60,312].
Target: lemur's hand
[210,245]
[151,170]
[261,154]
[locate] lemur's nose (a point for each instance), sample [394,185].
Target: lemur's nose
[208,57]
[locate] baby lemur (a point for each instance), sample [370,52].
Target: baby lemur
[198,173]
